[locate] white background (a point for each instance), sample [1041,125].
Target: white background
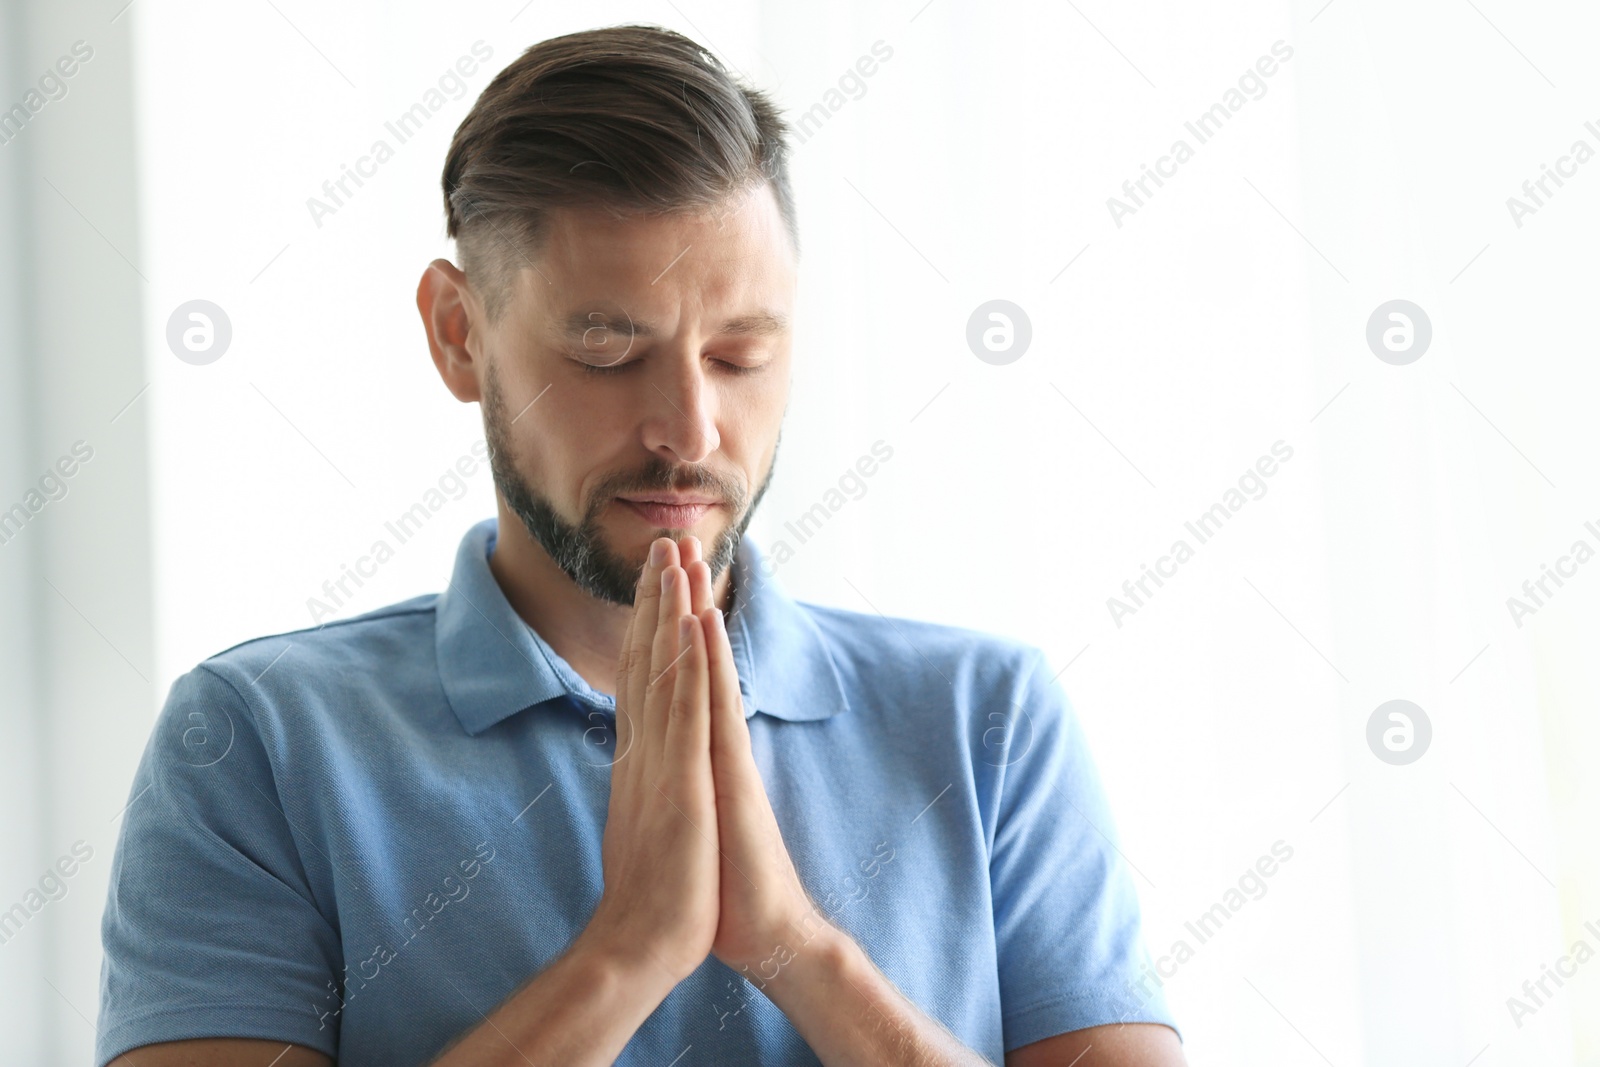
[1168,354]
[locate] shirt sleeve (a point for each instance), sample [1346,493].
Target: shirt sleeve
[210,926]
[1067,925]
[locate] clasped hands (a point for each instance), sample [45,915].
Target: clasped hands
[693,858]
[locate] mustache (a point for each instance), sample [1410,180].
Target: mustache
[662,478]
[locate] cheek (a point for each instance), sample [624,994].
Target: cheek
[760,418]
[758,401]
[576,445]
[581,421]
[749,429]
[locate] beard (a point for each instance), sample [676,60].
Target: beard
[580,549]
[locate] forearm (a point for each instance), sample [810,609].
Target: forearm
[581,1010]
[851,1014]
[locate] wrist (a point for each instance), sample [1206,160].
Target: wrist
[806,955]
[616,963]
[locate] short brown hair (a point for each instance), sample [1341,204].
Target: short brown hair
[636,118]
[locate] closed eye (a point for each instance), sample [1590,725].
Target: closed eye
[615,368]
[618,368]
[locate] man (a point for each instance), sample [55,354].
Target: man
[613,796]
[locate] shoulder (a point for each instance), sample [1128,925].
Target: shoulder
[279,707]
[262,676]
[367,639]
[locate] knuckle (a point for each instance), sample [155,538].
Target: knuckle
[659,682]
[680,707]
[627,662]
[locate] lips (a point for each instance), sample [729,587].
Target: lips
[674,513]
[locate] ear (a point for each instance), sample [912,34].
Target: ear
[454,322]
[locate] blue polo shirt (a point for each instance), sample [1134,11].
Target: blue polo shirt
[363,837]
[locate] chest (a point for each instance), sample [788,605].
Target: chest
[457,881]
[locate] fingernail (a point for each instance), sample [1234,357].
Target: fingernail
[667,577]
[684,623]
[658,552]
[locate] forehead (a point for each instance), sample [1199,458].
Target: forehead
[736,252]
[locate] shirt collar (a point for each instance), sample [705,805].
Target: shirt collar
[493,665]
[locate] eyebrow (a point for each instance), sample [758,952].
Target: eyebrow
[759,324]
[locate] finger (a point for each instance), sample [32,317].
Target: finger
[633,663]
[730,735]
[627,658]
[692,552]
[664,655]
[688,736]
[633,671]
[699,586]
[626,736]
[689,549]
[748,815]
[693,561]
[642,628]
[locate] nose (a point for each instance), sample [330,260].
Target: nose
[681,426]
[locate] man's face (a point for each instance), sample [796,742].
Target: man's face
[642,359]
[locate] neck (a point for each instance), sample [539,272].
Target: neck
[584,630]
